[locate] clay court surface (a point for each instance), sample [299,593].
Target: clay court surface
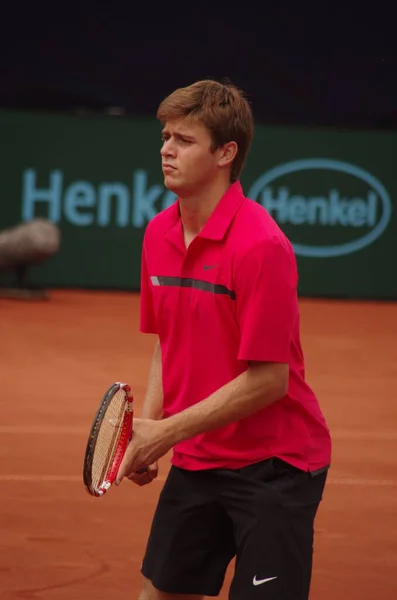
[58,357]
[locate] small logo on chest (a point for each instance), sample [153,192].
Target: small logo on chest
[208,267]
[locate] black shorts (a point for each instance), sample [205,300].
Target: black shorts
[263,514]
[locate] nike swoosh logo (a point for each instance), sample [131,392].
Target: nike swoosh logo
[256,581]
[207,267]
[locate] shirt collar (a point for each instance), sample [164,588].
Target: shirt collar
[223,214]
[218,222]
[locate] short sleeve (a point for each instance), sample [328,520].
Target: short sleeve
[266,296]
[147,316]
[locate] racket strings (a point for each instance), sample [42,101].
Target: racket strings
[108,438]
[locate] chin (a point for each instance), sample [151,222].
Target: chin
[171,185]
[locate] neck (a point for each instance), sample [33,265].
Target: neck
[197,208]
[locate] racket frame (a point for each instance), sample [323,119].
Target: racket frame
[124,439]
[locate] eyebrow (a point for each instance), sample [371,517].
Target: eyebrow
[178,134]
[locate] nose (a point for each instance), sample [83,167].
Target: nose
[168,148]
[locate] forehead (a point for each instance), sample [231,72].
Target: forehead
[186,126]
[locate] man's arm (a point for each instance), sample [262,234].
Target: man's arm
[153,403]
[259,386]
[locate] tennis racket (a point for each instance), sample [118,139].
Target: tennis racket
[110,434]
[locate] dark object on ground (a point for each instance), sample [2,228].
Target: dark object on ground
[21,247]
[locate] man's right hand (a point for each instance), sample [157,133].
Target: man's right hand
[147,476]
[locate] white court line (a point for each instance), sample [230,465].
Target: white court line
[42,430]
[337,434]
[362,481]
[341,434]
[29,478]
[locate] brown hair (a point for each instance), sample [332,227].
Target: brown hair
[222,108]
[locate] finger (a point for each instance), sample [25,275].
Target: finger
[122,472]
[150,472]
[153,470]
[144,475]
[140,479]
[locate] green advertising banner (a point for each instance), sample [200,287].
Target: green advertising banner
[99,179]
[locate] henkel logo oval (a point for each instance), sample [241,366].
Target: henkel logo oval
[360,210]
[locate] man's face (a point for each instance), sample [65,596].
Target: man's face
[187,161]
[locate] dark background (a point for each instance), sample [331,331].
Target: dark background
[325,64]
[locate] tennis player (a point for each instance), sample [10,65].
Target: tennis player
[227,390]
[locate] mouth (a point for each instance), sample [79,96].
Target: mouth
[168,168]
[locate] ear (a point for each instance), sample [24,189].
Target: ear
[227,154]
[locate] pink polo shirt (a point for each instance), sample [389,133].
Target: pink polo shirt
[230,298]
